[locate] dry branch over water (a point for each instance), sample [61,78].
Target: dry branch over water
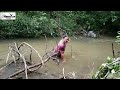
[18,57]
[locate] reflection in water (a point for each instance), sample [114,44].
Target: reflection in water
[83,55]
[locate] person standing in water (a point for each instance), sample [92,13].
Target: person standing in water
[59,50]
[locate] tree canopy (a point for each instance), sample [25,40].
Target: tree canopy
[36,23]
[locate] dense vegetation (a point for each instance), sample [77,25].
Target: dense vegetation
[36,23]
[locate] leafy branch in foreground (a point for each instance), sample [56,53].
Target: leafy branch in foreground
[109,70]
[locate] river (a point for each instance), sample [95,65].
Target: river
[83,55]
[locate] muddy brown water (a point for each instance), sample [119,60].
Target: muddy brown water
[83,55]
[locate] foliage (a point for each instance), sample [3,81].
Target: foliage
[118,37]
[109,70]
[36,23]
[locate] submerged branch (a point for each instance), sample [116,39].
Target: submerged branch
[23,58]
[24,43]
[29,67]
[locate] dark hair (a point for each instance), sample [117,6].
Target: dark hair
[64,36]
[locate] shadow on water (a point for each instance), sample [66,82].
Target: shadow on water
[83,55]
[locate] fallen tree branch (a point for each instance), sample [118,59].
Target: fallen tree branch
[24,43]
[7,57]
[15,49]
[29,67]
[23,61]
[8,54]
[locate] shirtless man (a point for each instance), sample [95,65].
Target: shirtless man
[60,48]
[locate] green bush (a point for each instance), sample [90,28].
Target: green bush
[36,23]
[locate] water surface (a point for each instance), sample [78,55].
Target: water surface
[82,55]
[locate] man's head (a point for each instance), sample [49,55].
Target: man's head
[66,39]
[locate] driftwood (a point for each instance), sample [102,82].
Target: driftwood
[14,51]
[24,43]
[29,67]
[38,65]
